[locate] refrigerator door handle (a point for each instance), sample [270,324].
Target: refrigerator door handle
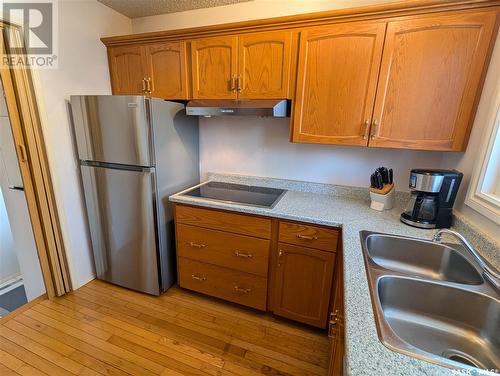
[117,166]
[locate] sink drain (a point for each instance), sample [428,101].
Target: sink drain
[461,357]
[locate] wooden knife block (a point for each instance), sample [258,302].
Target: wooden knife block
[386,189]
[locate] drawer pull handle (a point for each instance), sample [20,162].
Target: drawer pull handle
[307,237]
[198,278]
[196,245]
[240,290]
[243,254]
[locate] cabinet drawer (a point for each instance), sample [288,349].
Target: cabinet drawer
[250,255]
[235,286]
[218,220]
[309,236]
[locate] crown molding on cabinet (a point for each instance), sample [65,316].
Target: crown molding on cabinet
[403,8]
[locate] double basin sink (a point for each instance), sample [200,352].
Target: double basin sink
[431,302]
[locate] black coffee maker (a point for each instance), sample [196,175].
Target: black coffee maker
[433,194]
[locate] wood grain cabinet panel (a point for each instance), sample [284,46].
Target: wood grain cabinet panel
[224,221]
[156,69]
[303,281]
[232,285]
[430,79]
[167,68]
[126,65]
[264,65]
[310,236]
[213,67]
[336,83]
[336,326]
[244,253]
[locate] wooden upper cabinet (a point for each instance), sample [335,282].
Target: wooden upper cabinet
[126,65]
[167,69]
[430,80]
[159,70]
[264,65]
[336,83]
[213,66]
[302,285]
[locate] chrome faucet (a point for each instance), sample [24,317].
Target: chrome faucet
[488,272]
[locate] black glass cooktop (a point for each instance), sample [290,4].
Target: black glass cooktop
[237,193]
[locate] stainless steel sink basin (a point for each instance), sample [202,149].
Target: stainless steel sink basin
[431,302]
[451,323]
[421,258]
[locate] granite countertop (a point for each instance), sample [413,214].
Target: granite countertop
[348,207]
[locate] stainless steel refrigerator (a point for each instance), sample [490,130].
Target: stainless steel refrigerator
[134,152]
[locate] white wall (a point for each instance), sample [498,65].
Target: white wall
[22,254]
[251,10]
[9,267]
[467,162]
[260,147]
[83,69]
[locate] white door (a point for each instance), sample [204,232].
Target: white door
[15,215]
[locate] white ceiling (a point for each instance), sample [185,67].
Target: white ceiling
[142,8]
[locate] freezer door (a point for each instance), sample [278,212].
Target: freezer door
[122,220]
[113,129]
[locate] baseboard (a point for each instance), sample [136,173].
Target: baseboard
[23,308]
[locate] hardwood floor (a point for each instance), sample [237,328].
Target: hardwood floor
[101,329]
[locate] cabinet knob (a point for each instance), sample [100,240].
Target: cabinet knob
[238,83]
[197,245]
[280,255]
[198,278]
[374,132]
[307,237]
[366,129]
[232,83]
[243,254]
[149,85]
[241,290]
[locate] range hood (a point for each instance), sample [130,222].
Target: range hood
[250,107]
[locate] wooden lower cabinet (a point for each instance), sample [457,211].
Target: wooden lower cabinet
[303,280]
[244,253]
[336,328]
[250,259]
[224,283]
[308,236]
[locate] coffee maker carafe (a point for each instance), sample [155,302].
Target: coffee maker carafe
[433,194]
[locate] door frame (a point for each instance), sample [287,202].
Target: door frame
[28,138]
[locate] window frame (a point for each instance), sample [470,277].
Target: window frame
[476,199]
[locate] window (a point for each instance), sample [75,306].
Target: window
[484,190]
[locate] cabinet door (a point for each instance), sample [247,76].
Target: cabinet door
[336,329]
[430,79]
[166,66]
[336,83]
[264,65]
[214,67]
[303,281]
[127,70]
